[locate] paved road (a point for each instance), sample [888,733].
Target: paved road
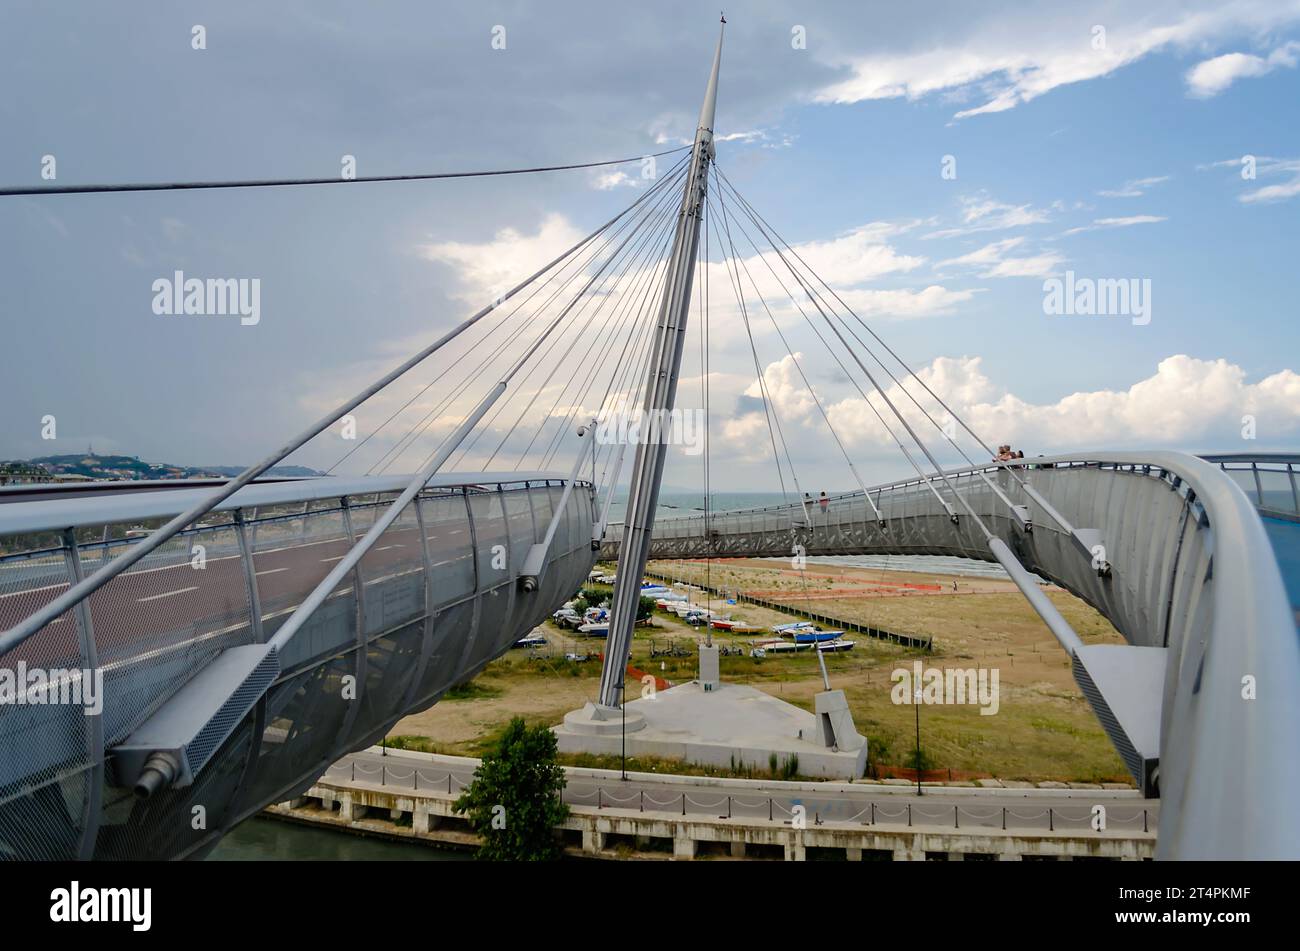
[1025,809]
[145,608]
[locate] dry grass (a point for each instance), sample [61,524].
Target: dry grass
[1043,729]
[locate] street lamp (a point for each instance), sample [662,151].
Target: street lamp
[916,702]
[622,707]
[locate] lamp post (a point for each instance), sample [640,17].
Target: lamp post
[622,706]
[916,702]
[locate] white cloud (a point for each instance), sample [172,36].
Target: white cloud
[994,260]
[1155,411]
[785,388]
[1265,166]
[982,213]
[856,256]
[906,303]
[1014,57]
[604,181]
[1134,188]
[671,130]
[847,263]
[1185,403]
[491,267]
[1212,76]
[747,439]
[1101,223]
[1280,192]
[752,135]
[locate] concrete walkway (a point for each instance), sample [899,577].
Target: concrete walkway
[372,792]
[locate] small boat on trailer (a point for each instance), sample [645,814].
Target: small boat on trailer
[740,627]
[681,609]
[535,639]
[832,647]
[655,589]
[816,635]
[774,646]
[791,628]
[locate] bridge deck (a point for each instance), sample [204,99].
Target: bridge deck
[430,604]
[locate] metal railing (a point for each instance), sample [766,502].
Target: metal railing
[759,808]
[1270,480]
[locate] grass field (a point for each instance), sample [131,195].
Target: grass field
[1043,728]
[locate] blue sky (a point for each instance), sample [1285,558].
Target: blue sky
[840,145]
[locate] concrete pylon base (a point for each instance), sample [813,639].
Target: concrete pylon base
[594,719]
[710,677]
[835,722]
[730,726]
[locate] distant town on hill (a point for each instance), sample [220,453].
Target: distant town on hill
[91,466]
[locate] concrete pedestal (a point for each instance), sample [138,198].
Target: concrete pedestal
[710,677]
[730,726]
[596,720]
[835,722]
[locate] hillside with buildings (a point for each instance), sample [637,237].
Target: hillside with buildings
[93,467]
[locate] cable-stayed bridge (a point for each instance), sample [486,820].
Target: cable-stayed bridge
[253,631]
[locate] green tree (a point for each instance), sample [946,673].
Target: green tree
[645,608]
[514,801]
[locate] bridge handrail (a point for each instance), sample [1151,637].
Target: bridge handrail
[31,517]
[1098,460]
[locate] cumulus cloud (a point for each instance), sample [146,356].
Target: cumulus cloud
[1156,411]
[860,255]
[488,268]
[785,388]
[1185,403]
[846,263]
[1210,77]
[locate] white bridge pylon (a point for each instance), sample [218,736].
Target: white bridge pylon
[660,397]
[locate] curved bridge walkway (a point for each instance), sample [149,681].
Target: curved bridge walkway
[432,602]
[1185,556]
